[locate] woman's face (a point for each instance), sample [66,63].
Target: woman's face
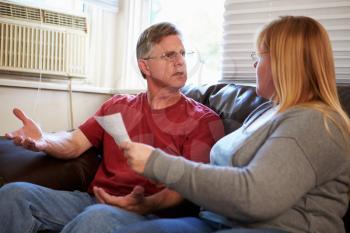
[264,83]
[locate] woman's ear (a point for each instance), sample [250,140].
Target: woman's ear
[143,66]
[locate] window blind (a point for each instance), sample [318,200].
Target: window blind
[243,18]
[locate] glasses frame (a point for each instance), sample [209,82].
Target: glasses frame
[255,56]
[171,56]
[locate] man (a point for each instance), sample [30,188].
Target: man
[161,117]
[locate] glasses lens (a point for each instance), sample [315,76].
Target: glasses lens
[253,57]
[173,55]
[188,53]
[170,56]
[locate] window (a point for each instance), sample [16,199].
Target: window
[201,24]
[114,27]
[243,18]
[101,17]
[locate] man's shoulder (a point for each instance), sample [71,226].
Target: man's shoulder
[125,98]
[128,97]
[199,109]
[122,102]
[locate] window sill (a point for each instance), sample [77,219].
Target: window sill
[59,85]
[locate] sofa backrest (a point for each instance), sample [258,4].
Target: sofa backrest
[344,96]
[235,102]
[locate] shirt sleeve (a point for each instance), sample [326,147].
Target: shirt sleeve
[247,193]
[91,129]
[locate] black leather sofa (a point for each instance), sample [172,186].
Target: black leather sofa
[232,102]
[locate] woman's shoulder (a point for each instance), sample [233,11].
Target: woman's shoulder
[313,129]
[302,120]
[301,111]
[307,117]
[318,137]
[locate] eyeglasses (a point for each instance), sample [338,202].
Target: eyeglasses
[257,56]
[171,56]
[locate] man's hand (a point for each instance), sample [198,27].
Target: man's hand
[134,201]
[29,135]
[137,155]
[137,202]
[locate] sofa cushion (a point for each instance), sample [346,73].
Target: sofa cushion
[19,164]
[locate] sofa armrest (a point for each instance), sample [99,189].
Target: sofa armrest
[20,164]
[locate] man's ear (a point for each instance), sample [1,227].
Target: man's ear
[143,66]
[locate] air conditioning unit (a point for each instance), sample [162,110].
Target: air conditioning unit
[39,41]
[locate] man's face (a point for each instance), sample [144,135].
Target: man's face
[166,66]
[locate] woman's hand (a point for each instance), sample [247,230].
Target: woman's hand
[137,155]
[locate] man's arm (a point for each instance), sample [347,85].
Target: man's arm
[64,145]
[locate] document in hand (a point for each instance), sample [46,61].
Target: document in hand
[114,126]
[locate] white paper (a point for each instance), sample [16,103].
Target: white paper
[114,126]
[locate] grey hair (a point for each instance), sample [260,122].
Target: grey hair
[153,35]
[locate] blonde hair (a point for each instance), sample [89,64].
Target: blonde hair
[302,67]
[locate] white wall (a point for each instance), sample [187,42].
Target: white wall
[50,108]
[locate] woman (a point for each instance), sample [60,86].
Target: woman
[287,168]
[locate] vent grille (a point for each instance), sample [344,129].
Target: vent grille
[31,47]
[64,20]
[19,12]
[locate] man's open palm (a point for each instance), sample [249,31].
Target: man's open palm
[28,134]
